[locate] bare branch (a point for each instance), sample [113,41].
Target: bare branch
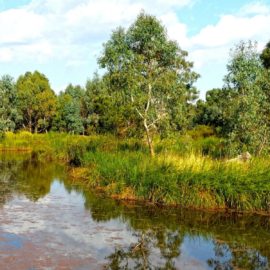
[156,120]
[149,98]
[140,113]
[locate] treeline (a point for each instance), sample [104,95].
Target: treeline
[147,90]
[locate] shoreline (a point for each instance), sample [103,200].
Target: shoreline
[122,169]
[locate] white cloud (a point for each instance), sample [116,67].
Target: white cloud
[176,30]
[231,28]
[211,46]
[254,8]
[63,29]
[20,25]
[5,55]
[204,56]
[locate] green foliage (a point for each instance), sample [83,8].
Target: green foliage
[103,111]
[68,117]
[132,145]
[201,131]
[2,136]
[214,110]
[240,111]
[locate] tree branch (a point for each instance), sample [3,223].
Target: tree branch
[140,114]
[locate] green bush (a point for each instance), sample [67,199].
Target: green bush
[201,131]
[75,153]
[2,136]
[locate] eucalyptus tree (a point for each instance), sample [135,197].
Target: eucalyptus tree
[265,56]
[247,102]
[99,109]
[265,82]
[149,73]
[9,115]
[36,101]
[104,111]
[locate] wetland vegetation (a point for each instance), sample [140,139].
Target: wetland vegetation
[123,169]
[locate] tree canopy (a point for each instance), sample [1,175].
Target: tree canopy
[265,56]
[36,101]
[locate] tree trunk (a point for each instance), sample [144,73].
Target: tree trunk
[149,139]
[30,125]
[30,122]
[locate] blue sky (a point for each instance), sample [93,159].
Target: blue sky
[63,38]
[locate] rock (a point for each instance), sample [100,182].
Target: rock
[246,156]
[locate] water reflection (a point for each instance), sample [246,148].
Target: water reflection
[26,176]
[81,230]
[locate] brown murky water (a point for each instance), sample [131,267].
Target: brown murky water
[47,222]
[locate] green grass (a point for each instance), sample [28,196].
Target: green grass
[180,174]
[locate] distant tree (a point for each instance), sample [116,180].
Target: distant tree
[265,83]
[36,101]
[265,56]
[106,112]
[247,104]
[9,115]
[76,92]
[149,73]
[98,106]
[214,110]
[68,117]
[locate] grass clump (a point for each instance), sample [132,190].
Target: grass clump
[194,181]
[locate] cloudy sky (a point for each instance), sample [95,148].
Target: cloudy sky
[63,38]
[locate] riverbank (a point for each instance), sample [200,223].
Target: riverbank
[179,174]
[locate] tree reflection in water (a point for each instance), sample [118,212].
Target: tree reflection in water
[20,174]
[139,255]
[240,257]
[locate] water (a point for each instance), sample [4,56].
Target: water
[49,222]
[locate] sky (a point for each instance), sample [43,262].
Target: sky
[63,38]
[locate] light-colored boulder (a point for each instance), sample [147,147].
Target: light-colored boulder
[245,156]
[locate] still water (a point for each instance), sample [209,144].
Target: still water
[49,222]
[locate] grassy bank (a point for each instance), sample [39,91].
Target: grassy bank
[180,174]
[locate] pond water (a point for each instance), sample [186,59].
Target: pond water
[49,222]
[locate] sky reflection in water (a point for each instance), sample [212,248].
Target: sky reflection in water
[49,223]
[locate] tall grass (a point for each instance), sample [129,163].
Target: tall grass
[194,181]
